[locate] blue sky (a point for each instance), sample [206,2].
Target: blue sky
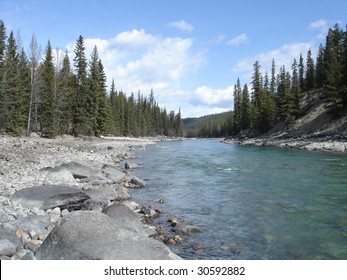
[190,52]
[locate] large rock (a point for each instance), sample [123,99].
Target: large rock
[138,182]
[122,193]
[81,171]
[59,176]
[113,174]
[46,197]
[125,217]
[7,248]
[93,235]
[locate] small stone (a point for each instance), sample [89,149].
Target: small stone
[56,211]
[20,232]
[33,245]
[32,234]
[170,241]
[173,221]
[178,239]
[65,212]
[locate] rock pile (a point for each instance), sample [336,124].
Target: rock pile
[68,199]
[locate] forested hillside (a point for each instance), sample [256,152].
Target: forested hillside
[276,101]
[276,97]
[39,94]
[216,125]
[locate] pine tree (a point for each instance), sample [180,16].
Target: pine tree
[301,73]
[48,117]
[320,75]
[334,69]
[65,87]
[310,72]
[295,90]
[273,77]
[178,124]
[81,90]
[246,109]
[2,58]
[237,106]
[12,99]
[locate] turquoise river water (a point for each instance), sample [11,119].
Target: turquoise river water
[250,202]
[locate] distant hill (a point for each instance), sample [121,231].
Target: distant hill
[214,125]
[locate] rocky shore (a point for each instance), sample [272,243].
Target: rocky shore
[68,198]
[335,143]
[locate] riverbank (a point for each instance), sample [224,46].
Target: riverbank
[68,198]
[310,142]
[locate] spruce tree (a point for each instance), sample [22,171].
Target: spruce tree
[334,69]
[245,109]
[301,73]
[2,77]
[48,117]
[295,88]
[12,99]
[79,125]
[320,75]
[310,72]
[65,87]
[237,106]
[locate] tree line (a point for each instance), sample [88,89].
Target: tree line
[38,93]
[275,97]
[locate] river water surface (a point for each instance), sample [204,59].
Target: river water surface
[250,202]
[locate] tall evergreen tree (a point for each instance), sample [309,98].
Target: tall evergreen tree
[237,106]
[320,71]
[12,99]
[246,109]
[295,90]
[81,90]
[334,68]
[48,117]
[65,87]
[2,77]
[310,72]
[301,72]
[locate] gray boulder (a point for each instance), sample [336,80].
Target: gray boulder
[93,235]
[128,165]
[113,174]
[59,176]
[122,193]
[125,217]
[102,192]
[138,182]
[7,248]
[80,171]
[46,197]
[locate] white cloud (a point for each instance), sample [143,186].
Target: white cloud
[221,98]
[218,39]
[141,61]
[182,25]
[238,40]
[283,56]
[322,25]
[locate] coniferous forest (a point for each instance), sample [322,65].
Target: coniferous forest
[274,98]
[38,94]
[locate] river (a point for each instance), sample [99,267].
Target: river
[250,202]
